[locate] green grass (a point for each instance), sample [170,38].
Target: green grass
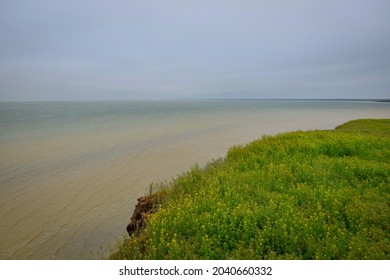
[298,195]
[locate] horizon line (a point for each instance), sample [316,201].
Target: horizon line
[199,99]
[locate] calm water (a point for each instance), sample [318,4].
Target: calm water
[70,173]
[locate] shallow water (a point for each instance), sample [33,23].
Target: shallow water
[70,173]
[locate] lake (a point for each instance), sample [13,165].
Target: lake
[71,172]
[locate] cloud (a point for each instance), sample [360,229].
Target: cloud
[194,49]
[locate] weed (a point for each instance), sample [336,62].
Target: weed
[298,195]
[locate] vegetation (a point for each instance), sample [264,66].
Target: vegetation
[299,195]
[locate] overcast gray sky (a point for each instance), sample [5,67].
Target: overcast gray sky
[178,49]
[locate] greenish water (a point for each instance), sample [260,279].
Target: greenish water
[70,172]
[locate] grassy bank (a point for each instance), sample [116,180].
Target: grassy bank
[299,195]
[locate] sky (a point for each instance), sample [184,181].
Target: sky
[193,49]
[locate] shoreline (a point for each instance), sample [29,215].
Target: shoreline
[190,211]
[89,172]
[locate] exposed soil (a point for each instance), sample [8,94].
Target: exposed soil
[146,206]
